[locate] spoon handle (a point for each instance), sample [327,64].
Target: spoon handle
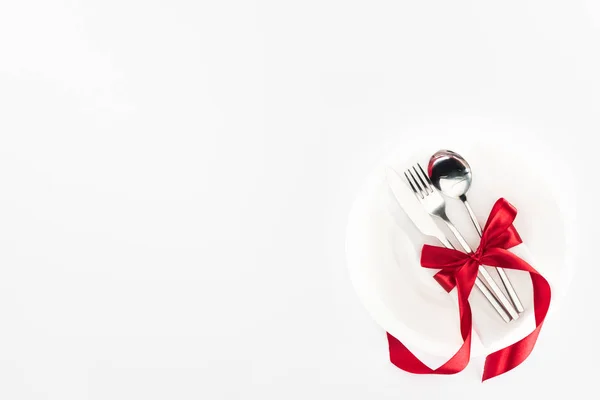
[503,277]
[473,217]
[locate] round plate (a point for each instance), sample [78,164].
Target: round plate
[383,246]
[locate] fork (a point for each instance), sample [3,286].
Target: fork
[435,205]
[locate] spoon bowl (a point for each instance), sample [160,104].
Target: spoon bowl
[450,173]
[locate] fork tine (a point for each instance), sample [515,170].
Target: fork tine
[414,183]
[417,192]
[425,186]
[425,175]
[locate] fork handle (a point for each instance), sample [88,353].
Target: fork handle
[458,236]
[486,277]
[492,300]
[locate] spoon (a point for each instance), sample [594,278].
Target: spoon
[451,174]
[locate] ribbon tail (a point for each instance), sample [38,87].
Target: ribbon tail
[511,356]
[404,359]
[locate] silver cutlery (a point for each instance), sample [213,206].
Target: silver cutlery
[425,223]
[451,174]
[435,205]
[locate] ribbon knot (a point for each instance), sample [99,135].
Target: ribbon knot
[476,257]
[459,270]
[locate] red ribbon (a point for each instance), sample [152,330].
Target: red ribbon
[460,270]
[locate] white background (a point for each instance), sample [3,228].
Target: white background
[175,180]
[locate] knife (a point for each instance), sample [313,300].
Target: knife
[424,223]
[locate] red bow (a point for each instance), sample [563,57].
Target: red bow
[460,270]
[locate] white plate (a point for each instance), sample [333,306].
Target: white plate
[383,246]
